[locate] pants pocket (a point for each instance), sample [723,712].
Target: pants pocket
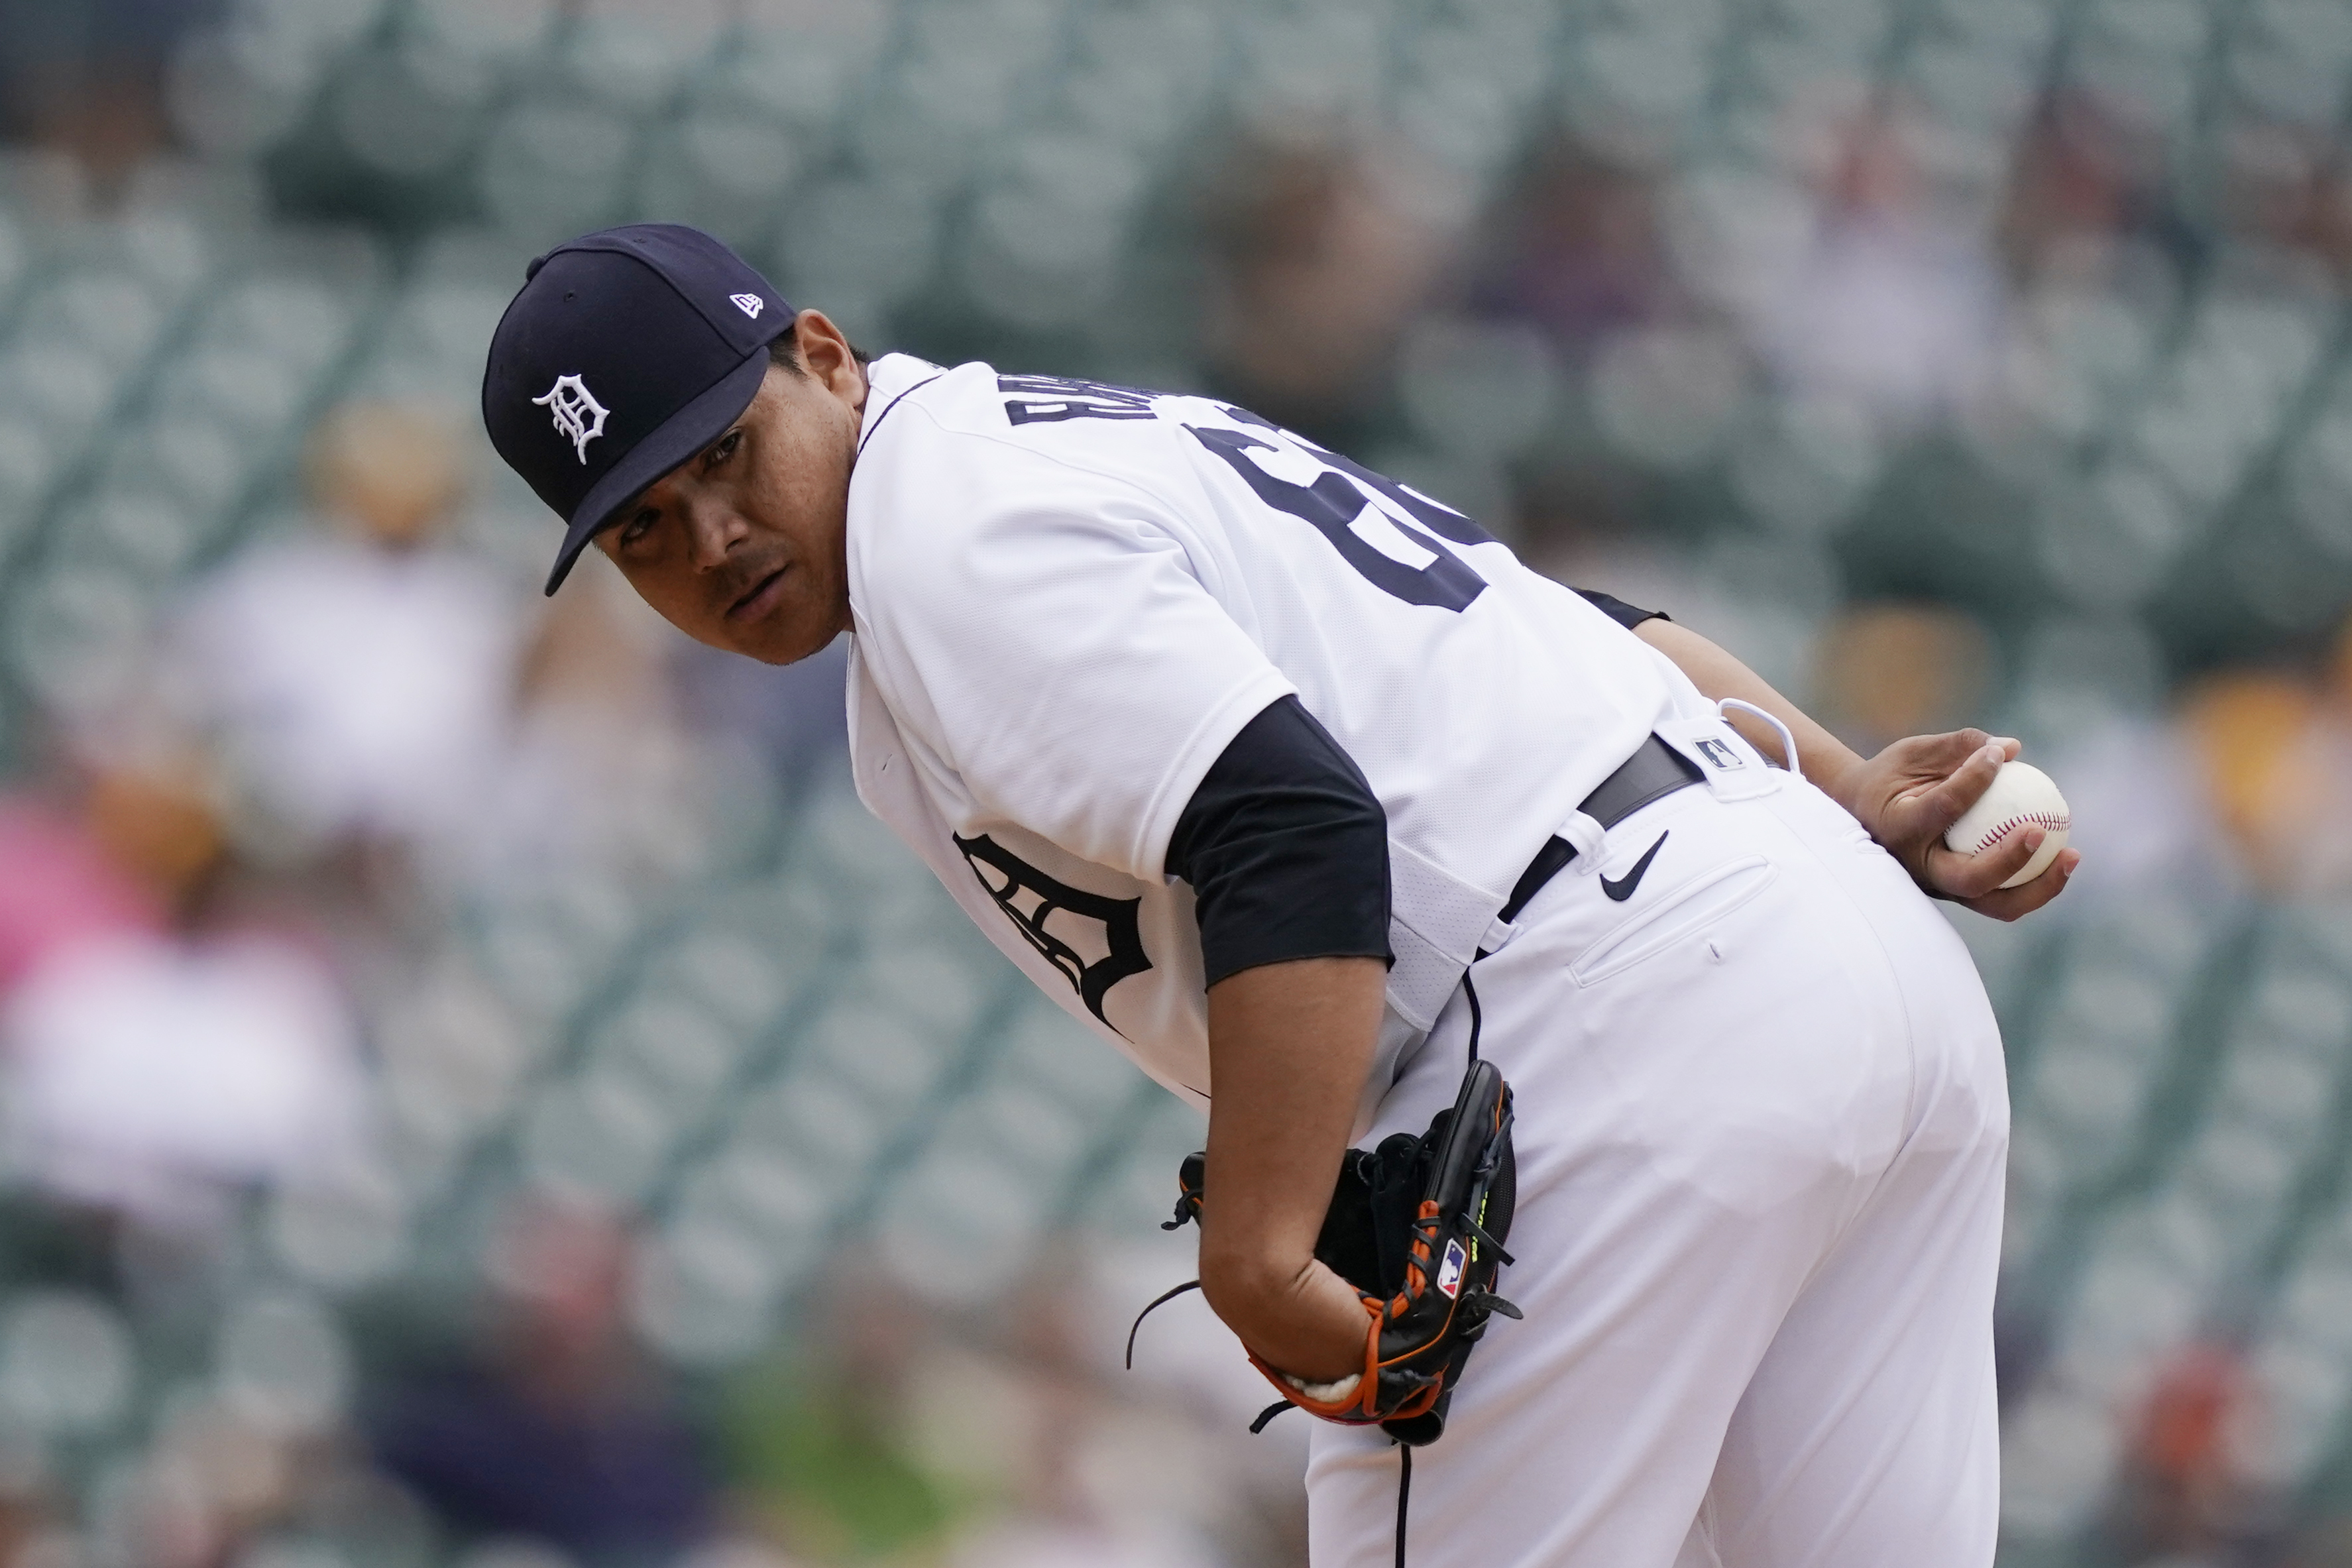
[1679,911]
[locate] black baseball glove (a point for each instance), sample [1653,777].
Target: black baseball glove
[1417,1226]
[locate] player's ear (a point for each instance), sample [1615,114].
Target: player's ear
[825,353]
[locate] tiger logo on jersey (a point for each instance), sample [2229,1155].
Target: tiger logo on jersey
[1061,923]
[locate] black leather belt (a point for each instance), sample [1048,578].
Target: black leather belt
[1655,770]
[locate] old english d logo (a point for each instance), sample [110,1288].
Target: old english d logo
[579,417]
[1065,924]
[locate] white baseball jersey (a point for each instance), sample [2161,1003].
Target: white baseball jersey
[1761,1123]
[1067,599]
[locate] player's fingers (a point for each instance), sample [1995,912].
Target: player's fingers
[2013,904]
[1935,756]
[1970,876]
[1941,804]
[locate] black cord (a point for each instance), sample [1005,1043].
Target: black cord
[1470,990]
[1405,1491]
[1268,1413]
[1157,1301]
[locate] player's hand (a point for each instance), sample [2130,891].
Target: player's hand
[1909,794]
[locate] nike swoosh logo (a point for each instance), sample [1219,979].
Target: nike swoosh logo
[1622,890]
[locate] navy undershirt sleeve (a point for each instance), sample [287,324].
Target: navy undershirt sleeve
[1286,848]
[1618,610]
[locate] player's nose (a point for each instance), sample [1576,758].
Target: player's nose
[713,530]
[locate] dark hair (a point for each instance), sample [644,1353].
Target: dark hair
[785,350]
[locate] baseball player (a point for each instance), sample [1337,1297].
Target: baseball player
[1284,778]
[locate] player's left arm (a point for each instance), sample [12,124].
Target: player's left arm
[1907,796]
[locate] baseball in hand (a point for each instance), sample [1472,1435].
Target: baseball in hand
[2022,797]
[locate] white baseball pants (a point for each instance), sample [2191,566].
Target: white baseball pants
[1761,1126]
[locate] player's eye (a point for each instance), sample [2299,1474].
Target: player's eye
[637,527]
[723,449]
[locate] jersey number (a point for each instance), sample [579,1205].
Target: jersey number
[1332,505]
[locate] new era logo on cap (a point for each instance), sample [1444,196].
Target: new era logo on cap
[749,304]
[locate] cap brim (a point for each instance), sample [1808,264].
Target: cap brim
[672,442]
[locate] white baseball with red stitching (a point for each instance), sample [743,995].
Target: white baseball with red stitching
[2021,796]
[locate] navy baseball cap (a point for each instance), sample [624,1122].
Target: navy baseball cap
[627,351]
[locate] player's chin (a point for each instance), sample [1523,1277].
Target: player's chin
[786,635]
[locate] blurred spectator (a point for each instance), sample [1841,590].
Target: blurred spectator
[556,1431]
[357,681]
[599,768]
[2275,752]
[2268,750]
[1891,670]
[148,1070]
[1894,310]
[2082,186]
[210,1484]
[2325,221]
[143,1071]
[2184,1497]
[1324,250]
[1090,1481]
[31,1521]
[59,883]
[899,1438]
[87,77]
[2284,197]
[823,1453]
[1582,256]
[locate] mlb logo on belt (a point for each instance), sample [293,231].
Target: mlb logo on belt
[1721,755]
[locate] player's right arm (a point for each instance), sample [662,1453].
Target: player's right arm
[1056,650]
[1907,796]
[1289,1044]
[1285,848]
